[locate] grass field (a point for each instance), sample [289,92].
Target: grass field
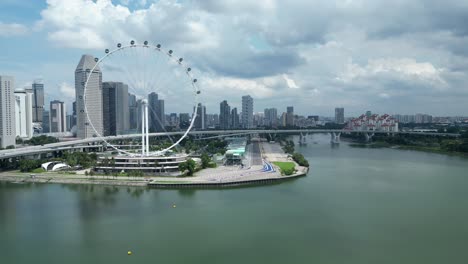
[286,168]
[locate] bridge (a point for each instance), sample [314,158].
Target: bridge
[90,143]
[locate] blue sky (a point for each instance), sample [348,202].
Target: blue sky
[395,57]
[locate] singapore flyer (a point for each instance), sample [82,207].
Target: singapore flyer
[149,76]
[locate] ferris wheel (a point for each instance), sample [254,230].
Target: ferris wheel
[145,70]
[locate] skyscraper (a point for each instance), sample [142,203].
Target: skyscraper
[93,98]
[73,118]
[234,118]
[24,114]
[58,117]
[45,121]
[156,112]
[224,115]
[37,101]
[290,116]
[339,115]
[7,111]
[115,108]
[247,112]
[271,117]
[184,120]
[200,122]
[132,111]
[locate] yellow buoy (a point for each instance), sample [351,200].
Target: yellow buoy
[129,253]
[173,206]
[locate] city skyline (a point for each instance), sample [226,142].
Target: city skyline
[334,63]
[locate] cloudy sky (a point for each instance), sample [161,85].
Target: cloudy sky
[386,56]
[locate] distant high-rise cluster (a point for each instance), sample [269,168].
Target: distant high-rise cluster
[417,119]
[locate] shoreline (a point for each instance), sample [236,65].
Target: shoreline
[165,183]
[220,177]
[355,144]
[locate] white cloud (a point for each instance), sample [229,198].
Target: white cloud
[401,67]
[8,30]
[290,82]
[67,90]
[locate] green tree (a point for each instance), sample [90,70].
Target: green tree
[29,165]
[205,160]
[188,166]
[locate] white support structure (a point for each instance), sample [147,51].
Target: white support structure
[147,129]
[143,130]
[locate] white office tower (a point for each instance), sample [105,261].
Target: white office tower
[24,114]
[7,111]
[93,98]
[58,117]
[247,112]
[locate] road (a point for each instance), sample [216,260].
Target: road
[255,154]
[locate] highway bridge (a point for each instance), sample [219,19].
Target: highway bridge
[82,144]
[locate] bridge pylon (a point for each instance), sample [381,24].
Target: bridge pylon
[303,138]
[335,137]
[369,136]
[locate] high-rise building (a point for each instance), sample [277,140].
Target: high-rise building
[224,115]
[422,118]
[69,122]
[234,118]
[73,116]
[247,112]
[37,100]
[132,111]
[58,117]
[93,98]
[368,113]
[115,108]
[184,120]
[271,117]
[173,120]
[339,115]
[24,114]
[215,120]
[46,121]
[290,116]
[200,121]
[156,112]
[7,111]
[258,119]
[283,119]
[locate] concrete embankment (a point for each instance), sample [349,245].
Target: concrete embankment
[228,184]
[66,179]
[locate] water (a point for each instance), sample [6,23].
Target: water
[355,206]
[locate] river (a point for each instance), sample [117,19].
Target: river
[355,206]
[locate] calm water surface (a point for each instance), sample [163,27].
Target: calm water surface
[355,206]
